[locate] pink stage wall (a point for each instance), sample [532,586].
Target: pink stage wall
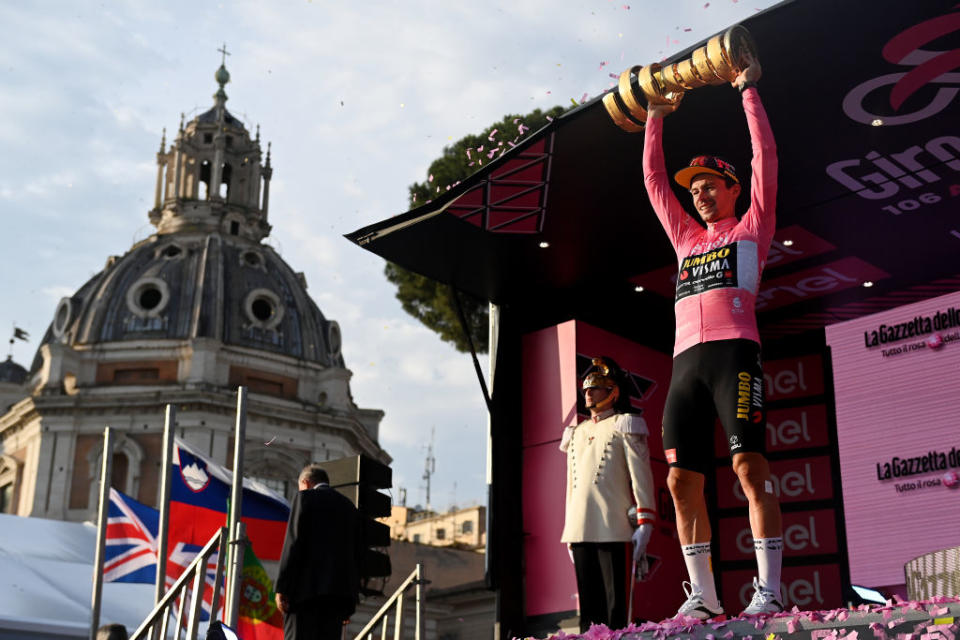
[896,405]
[550,391]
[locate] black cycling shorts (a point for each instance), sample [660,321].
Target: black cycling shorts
[722,378]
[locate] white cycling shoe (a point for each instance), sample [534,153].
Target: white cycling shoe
[764,601]
[696,606]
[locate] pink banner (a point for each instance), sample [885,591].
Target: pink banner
[793,378]
[895,385]
[792,429]
[795,480]
[805,533]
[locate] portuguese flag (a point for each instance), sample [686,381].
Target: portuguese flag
[259,618]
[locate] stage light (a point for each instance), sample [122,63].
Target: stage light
[788,243]
[544,244]
[868,284]
[638,289]
[877,122]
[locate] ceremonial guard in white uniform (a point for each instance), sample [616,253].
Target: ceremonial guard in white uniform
[608,472]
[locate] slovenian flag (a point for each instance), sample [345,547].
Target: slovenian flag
[199,498]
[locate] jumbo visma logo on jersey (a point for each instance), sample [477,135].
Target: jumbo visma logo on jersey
[714,269]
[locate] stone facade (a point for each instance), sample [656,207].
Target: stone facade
[183,318]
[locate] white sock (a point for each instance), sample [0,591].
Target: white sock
[700,569]
[769,559]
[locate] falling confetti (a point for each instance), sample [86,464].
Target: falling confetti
[492,134]
[583,98]
[687,29]
[706,5]
[430,178]
[267,444]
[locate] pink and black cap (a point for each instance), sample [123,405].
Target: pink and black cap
[705,164]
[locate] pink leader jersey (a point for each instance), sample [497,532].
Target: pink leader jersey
[719,267]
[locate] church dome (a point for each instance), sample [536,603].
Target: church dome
[206,273]
[184,286]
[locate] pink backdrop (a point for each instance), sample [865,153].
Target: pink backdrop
[896,400]
[550,387]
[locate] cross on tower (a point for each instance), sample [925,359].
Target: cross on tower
[225,53]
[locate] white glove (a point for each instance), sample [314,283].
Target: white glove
[570,553]
[641,536]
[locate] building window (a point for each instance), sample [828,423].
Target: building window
[416,538]
[263,308]
[467,527]
[441,534]
[148,297]
[6,498]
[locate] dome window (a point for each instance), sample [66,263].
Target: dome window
[334,339]
[252,259]
[263,308]
[148,297]
[62,317]
[171,251]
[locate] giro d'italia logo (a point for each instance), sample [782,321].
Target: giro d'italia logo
[928,67]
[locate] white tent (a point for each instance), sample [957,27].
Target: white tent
[46,573]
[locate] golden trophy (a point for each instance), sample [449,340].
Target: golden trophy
[720,61]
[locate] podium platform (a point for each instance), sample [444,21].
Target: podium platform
[935,619]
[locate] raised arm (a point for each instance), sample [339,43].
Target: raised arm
[763,182]
[669,211]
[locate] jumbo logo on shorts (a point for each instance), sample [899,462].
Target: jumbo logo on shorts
[749,394]
[713,269]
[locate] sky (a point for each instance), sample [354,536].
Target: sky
[357,98]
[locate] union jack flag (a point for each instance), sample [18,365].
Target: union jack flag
[131,548]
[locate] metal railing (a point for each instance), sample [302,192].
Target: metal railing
[157,622]
[396,601]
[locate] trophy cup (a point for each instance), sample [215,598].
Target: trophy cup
[720,61]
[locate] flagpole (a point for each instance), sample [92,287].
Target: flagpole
[236,504]
[105,474]
[169,423]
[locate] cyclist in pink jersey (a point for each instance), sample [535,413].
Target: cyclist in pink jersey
[716,368]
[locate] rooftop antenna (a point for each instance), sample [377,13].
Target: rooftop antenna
[430,467]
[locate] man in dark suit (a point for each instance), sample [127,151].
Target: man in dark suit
[319,568]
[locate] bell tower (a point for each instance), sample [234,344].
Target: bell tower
[213,177]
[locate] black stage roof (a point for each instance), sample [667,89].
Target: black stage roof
[863,99]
